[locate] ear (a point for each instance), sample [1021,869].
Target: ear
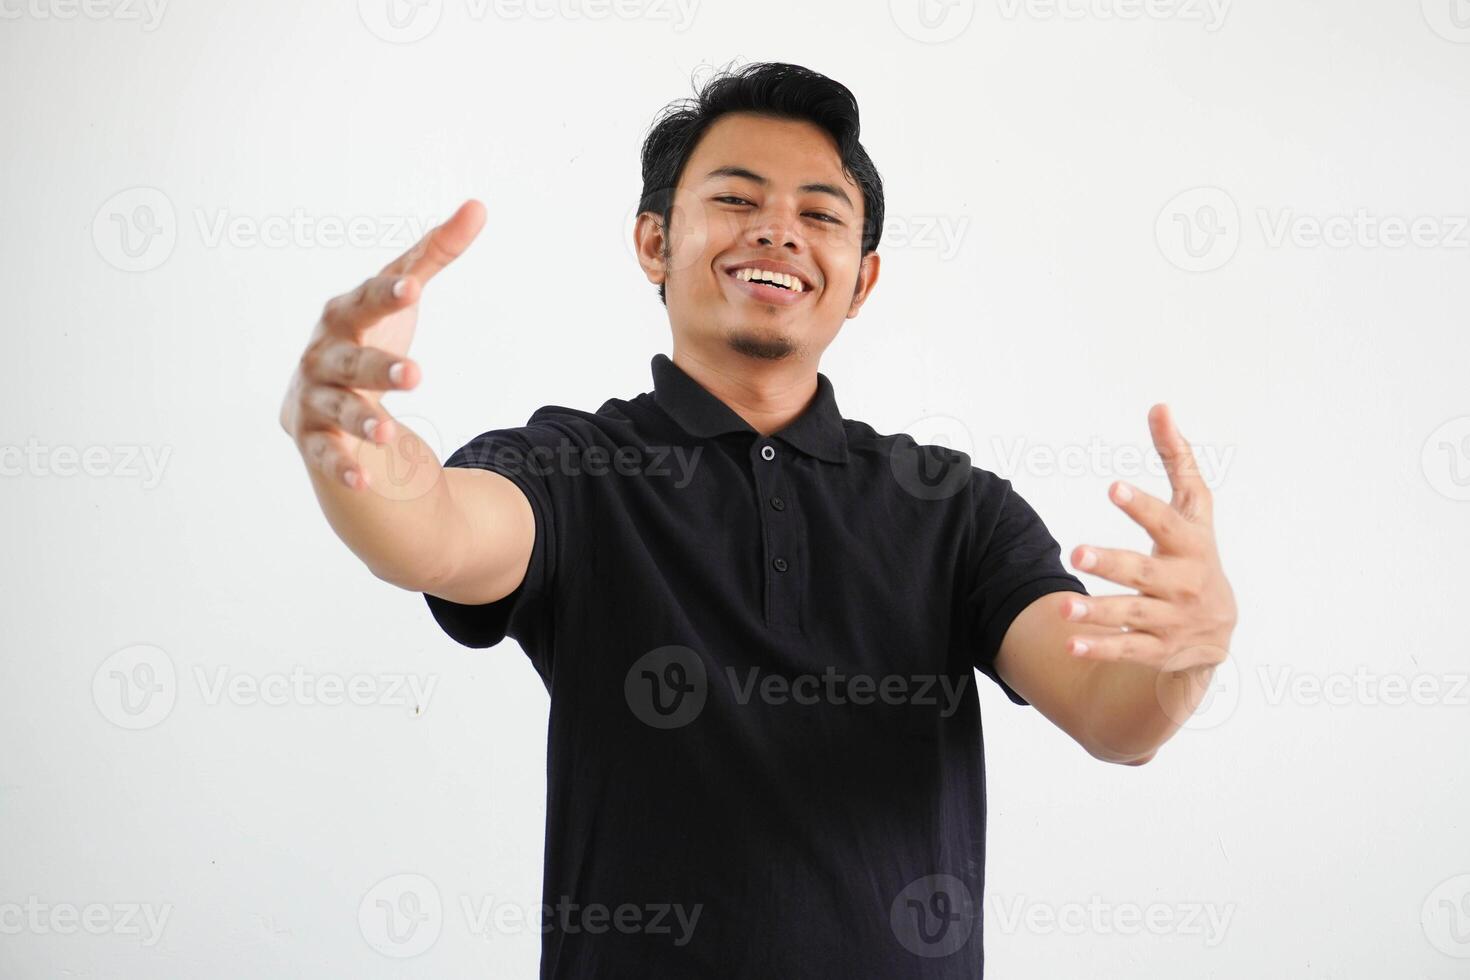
[649,243]
[867,278]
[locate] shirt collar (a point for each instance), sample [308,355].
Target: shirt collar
[817,431]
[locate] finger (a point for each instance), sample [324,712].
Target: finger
[327,452]
[1137,647]
[335,407]
[341,362]
[372,300]
[1163,578]
[1132,612]
[1170,531]
[442,245]
[1191,495]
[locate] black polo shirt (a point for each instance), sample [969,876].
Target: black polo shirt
[764,756]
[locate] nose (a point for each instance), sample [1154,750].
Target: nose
[776,226]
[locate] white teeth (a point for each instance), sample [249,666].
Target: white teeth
[762,275]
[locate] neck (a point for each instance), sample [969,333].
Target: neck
[768,395]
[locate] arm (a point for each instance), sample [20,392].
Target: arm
[464,534]
[1122,693]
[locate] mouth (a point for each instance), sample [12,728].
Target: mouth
[768,285]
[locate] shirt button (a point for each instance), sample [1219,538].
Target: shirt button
[777,503]
[768,452]
[779,564]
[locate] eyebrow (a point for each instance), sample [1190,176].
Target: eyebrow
[750,175]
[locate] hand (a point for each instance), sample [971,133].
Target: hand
[358,351]
[1183,613]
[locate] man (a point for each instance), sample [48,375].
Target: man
[758,621]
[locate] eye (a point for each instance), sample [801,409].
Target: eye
[830,218]
[731,197]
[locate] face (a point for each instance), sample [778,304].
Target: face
[760,195]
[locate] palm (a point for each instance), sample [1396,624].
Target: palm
[394,331]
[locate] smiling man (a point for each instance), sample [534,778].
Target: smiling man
[758,621]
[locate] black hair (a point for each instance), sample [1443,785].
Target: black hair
[766,88]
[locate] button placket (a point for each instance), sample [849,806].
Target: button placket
[781,580]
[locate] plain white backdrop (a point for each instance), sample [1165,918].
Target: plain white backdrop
[225,742]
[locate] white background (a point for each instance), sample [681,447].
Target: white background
[1038,294]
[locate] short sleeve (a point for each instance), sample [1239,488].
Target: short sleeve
[525,456]
[1012,561]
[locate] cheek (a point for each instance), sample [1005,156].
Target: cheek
[689,233]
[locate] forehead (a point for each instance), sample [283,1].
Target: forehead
[784,151]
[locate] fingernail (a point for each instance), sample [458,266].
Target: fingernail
[400,287]
[395,373]
[1125,493]
[368,427]
[1078,610]
[1078,647]
[350,478]
[1087,559]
